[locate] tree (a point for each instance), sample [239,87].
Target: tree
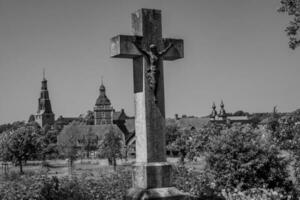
[240,158]
[292,8]
[89,118]
[181,143]
[47,140]
[13,126]
[89,142]
[68,140]
[240,113]
[4,153]
[20,144]
[31,118]
[172,133]
[111,147]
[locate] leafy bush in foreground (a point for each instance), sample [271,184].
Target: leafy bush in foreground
[240,158]
[107,186]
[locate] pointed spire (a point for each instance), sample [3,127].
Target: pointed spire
[44,81]
[44,74]
[102,88]
[214,112]
[222,104]
[222,110]
[214,106]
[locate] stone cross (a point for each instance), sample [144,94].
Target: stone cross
[151,169]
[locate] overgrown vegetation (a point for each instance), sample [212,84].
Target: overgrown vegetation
[292,8]
[241,161]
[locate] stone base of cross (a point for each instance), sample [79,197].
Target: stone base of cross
[147,48]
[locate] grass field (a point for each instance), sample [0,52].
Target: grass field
[84,167]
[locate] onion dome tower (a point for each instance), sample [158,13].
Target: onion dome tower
[103,110]
[214,113]
[222,113]
[44,113]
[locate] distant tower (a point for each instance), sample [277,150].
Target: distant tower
[44,114]
[214,112]
[222,113]
[103,110]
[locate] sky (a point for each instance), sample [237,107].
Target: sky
[235,51]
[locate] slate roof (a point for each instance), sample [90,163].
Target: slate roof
[129,123]
[196,122]
[99,130]
[102,100]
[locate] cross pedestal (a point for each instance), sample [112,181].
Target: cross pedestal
[151,172]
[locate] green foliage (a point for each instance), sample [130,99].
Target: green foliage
[257,194]
[89,141]
[19,145]
[181,143]
[292,8]
[13,126]
[107,186]
[196,184]
[171,133]
[200,139]
[240,158]
[240,113]
[67,141]
[112,147]
[47,141]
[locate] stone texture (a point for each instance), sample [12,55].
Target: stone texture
[152,175]
[168,193]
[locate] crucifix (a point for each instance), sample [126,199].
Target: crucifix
[148,49]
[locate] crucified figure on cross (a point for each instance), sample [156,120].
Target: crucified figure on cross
[153,57]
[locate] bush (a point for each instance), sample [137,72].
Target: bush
[256,194]
[240,158]
[108,186]
[196,184]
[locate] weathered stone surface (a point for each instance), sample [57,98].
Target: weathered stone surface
[177,51]
[152,175]
[150,124]
[167,193]
[122,47]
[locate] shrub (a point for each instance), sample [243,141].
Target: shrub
[257,194]
[107,186]
[239,158]
[197,184]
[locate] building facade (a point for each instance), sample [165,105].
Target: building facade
[103,111]
[44,113]
[223,118]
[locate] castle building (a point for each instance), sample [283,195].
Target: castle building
[214,113]
[44,113]
[103,111]
[225,118]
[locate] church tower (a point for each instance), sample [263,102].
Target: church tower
[222,113]
[44,114]
[214,113]
[103,110]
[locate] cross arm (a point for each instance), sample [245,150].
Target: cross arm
[175,52]
[121,46]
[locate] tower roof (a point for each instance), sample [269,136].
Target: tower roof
[222,110]
[44,104]
[102,98]
[214,112]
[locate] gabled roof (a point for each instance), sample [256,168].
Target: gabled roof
[129,123]
[119,115]
[102,100]
[98,130]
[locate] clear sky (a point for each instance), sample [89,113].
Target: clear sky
[235,50]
